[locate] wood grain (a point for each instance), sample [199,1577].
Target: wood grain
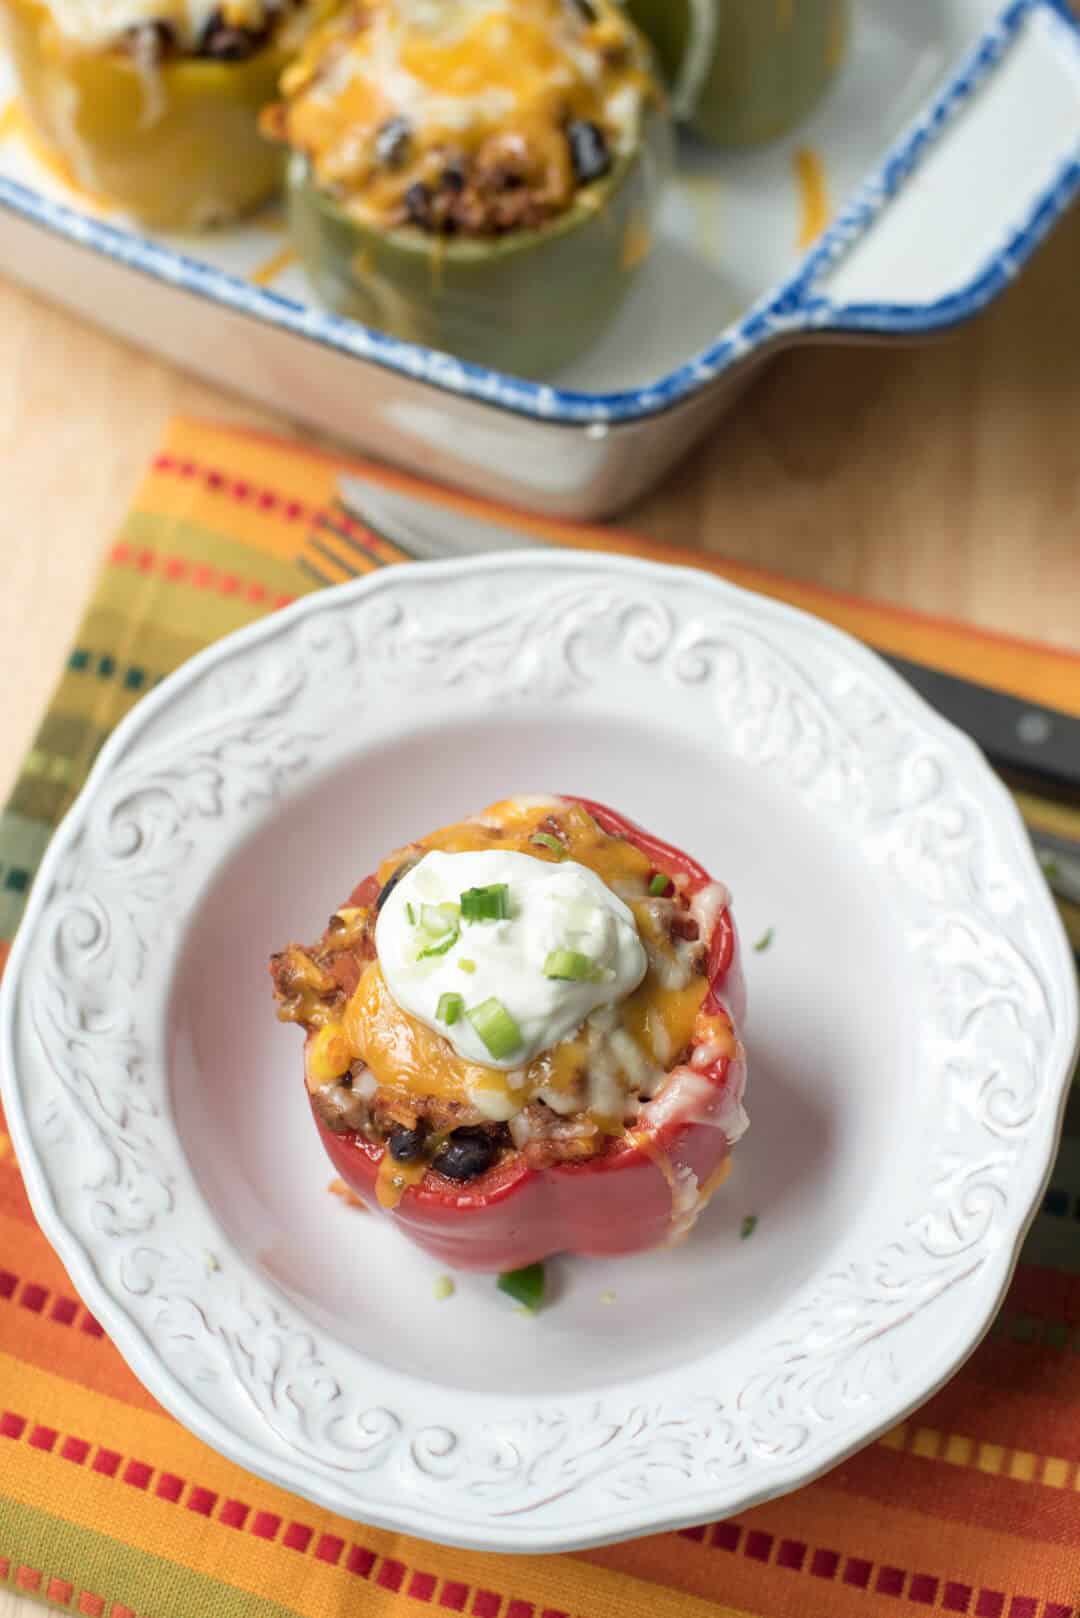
[944,477]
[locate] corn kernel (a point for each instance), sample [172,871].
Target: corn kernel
[328,1054]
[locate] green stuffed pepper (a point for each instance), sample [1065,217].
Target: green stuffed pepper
[745,71]
[477,176]
[153,105]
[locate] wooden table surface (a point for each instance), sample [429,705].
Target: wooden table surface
[943,477]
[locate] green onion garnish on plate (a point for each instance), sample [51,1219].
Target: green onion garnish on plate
[544,839]
[568,966]
[659,885]
[450,1009]
[486,904]
[495,1026]
[526,1286]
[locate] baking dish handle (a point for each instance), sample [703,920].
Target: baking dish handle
[961,204]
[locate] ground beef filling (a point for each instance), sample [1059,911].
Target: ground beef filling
[312,987]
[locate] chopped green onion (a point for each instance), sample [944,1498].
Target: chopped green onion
[411,913]
[443,1288]
[450,1008]
[748,1227]
[498,1030]
[764,941]
[486,904]
[659,885]
[568,965]
[524,1286]
[439,929]
[466,965]
[544,839]
[438,919]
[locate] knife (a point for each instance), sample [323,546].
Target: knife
[1034,748]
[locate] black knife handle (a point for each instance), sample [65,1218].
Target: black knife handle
[1032,747]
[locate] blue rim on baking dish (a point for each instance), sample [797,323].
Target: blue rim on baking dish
[796,307]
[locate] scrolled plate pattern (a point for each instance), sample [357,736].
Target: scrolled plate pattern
[218,747]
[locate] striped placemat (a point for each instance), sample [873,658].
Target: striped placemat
[109,1507]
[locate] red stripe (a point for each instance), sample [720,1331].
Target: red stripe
[859,1573]
[177,570]
[237,489]
[33,1296]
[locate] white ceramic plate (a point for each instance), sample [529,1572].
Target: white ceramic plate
[948,147]
[912,1030]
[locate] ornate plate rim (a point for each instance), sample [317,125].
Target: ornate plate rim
[672,1511]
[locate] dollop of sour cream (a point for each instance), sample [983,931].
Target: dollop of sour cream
[553,907]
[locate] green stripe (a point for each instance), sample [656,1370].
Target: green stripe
[106,1567]
[23,841]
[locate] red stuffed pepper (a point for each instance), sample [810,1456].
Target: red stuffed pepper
[522,1036]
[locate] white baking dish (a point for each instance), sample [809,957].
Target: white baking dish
[949,147]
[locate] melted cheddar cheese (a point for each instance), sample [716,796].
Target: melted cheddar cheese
[619,1055]
[389,95]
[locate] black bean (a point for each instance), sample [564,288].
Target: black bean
[589,150]
[406,1145]
[418,201]
[468,1153]
[392,142]
[222,43]
[388,888]
[453,177]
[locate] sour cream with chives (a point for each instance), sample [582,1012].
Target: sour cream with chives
[503,954]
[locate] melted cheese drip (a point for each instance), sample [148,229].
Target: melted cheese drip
[462,74]
[661,1020]
[394,1179]
[814,207]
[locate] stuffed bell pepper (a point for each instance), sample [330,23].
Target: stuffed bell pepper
[746,71]
[478,176]
[522,1036]
[153,105]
